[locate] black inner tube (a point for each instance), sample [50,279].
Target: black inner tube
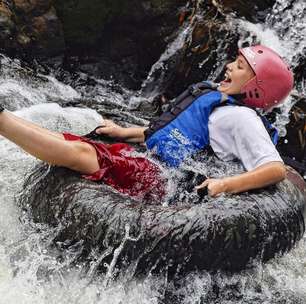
[227,233]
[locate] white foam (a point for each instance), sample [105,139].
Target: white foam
[56,118]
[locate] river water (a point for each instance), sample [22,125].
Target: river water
[30,268]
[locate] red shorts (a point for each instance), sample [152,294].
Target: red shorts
[135,176]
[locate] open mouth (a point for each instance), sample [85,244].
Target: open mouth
[227,80]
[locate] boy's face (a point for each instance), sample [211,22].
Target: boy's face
[237,74]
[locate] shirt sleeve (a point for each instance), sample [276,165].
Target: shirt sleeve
[253,145]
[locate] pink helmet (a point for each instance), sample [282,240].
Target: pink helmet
[273,79]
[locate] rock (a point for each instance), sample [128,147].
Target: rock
[293,146]
[83,21]
[23,39]
[251,10]
[203,56]
[30,28]
[7,26]
[121,39]
[47,34]
[32,7]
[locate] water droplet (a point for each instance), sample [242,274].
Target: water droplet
[286,141]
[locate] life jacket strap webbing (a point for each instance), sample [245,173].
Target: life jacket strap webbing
[181,103]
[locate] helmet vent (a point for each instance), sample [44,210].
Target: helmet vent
[251,94]
[260,51]
[256,93]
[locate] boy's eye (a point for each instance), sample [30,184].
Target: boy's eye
[239,65]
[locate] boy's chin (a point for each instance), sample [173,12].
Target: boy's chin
[228,90]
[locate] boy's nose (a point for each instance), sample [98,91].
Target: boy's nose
[229,66]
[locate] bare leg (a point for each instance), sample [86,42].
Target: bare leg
[49,146]
[30,124]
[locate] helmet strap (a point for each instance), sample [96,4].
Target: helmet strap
[239,97]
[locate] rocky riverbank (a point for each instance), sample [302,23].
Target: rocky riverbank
[122,39]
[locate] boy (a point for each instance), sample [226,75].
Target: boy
[257,78]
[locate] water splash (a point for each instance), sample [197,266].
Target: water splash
[288,21]
[21,87]
[26,261]
[151,85]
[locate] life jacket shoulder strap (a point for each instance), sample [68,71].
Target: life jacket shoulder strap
[182,102]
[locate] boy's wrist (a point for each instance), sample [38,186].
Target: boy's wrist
[124,133]
[135,133]
[227,185]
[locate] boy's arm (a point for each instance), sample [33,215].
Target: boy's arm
[267,174]
[130,134]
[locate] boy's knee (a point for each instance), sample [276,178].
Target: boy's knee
[83,157]
[83,148]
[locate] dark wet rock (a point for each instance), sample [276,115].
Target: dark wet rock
[251,10]
[84,21]
[293,146]
[7,26]
[131,43]
[30,28]
[300,68]
[120,40]
[156,238]
[47,36]
[32,7]
[211,43]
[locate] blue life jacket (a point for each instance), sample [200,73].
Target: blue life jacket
[272,131]
[183,131]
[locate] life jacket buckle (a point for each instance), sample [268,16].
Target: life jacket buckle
[195,90]
[201,87]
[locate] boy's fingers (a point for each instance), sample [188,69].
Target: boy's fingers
[97,130]
[203,185]
[103,130]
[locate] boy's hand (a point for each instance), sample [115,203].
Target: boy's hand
[111,129]
[215,186]
[264,175]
